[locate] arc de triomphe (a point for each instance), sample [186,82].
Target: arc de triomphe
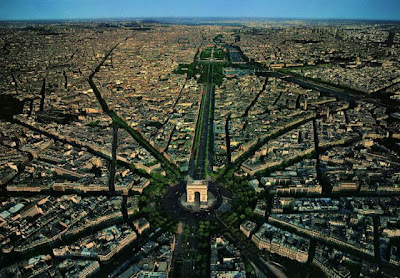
[193,186]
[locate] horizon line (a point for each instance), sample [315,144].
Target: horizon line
[201,17]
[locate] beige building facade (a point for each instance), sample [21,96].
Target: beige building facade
[196,186]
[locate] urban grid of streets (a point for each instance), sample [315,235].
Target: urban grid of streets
[94,165]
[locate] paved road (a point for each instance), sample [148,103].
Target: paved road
[190,253]
[385,101]
[171,205]
[200,152]
[264,268]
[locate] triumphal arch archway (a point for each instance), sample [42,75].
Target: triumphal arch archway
[199,186]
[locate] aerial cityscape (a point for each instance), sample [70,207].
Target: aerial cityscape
[199,146]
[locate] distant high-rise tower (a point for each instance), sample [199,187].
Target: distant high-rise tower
[390,39]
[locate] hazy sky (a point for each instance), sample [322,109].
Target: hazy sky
[72,9]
